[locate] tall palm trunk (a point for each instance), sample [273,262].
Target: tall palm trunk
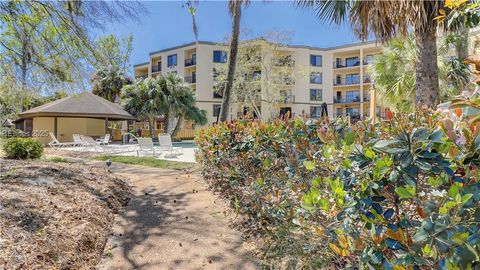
[151,126]
[227,92]
[426,84]
[177,126]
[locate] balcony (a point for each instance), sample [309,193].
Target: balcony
[352,115]
[367,62]
[141,77]
[191,79]
[367,79]
[345,64]
[346,99]
[346,81]
[190,62]
[157,68]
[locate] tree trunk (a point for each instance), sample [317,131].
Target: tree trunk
[426,84]
[227,91]
[177,126]
[151,126]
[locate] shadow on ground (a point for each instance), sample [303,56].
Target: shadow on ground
[172,222]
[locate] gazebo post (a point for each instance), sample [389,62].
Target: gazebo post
[55,126]
[106,125]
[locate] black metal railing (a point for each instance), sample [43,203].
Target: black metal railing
[352,115]
[157,68]
[346,99]
[346,81]
[345,64]
[141,76]
[190,79]
[190,62]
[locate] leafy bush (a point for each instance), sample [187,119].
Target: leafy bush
[11,133]
[22,148]
[399,194]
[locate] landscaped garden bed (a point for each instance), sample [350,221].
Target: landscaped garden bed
[56,215]
[399,194]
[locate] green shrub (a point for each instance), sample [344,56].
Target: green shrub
[22,148]
[11,133]
[399,194]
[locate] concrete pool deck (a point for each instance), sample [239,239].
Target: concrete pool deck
[188,155]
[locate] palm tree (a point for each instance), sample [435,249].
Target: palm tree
[235,8]
[165,95]
[108,81]
[145,100]
[386,19]
[181,100]
[394,73]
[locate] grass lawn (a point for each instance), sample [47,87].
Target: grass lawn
[149,161]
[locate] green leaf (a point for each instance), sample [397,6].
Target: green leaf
[350,138]
[459,238]
[466,198]
[309,165]
[405,193]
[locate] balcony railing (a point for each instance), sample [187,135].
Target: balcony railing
[157,68]
[190,62]
[345,64]
[352,115]
[367,62]
[345,81]
[367,79]
[346,100]
[191,79]
[141,76]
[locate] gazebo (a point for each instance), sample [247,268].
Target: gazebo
[84,113]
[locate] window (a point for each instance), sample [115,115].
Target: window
[368,60]
[257,75]
[219,57]
[316,60]
[217,94]
[216,109]
[172,60]
[352,61]
[353,96]
[316,77]
[352,78]
[316,94]
[353,112]
[339,112]
[315,111]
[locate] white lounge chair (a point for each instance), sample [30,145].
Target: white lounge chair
[91,144]
[146,145]
[167,146]
[105,140]
[56,143]
[77,140]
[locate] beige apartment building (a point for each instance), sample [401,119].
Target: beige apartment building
[337,76]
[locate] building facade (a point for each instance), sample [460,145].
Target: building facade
[336,76]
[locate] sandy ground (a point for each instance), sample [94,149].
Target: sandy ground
[172,222]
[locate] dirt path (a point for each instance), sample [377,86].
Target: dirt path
[172,222]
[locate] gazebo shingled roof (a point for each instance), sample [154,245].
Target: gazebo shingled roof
[81,105]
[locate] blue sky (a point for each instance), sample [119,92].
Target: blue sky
[169,24]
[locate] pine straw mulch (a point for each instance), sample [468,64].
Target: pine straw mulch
[56,216]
